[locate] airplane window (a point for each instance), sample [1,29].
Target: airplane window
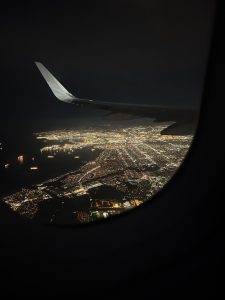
[103,104]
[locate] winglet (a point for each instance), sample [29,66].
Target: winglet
[58,90]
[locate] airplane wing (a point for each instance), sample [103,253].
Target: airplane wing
[185,120]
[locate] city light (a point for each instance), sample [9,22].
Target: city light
[120,169]
[20,159]
[33,168]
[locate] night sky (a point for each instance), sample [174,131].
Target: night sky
[152,52]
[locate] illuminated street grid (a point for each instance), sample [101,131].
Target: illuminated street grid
[136,162]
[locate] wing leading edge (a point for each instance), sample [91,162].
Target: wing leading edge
[185,119]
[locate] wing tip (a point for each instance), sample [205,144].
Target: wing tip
[38,64]
[56,87]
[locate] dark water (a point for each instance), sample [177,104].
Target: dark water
[19,175]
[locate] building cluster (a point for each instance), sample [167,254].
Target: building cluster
[26,201]
[132,163]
